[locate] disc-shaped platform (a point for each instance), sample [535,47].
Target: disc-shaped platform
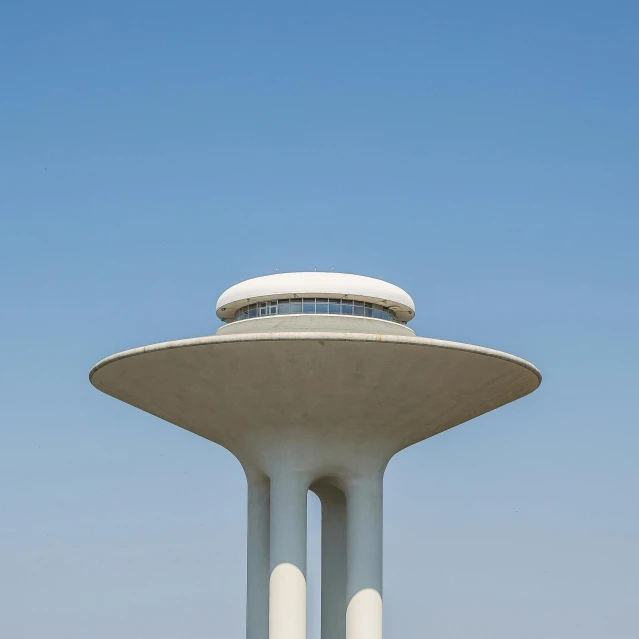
[334,394]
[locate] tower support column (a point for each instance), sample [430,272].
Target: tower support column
[287,586]
[258,565]
[333,561]
[364,557]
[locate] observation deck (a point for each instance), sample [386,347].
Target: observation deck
[315,293]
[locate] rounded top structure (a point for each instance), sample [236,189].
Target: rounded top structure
[316,284]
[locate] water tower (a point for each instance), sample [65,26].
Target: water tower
[315,382]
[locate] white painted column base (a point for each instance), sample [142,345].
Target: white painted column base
[287,618]
[364,615]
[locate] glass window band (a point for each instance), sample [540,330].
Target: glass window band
[316,306]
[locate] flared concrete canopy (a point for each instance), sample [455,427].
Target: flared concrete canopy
[340,397]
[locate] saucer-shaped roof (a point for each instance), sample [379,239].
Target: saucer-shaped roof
[315,284]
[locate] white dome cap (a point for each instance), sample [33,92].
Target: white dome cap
[315,284]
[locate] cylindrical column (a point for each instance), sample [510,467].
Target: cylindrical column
[364,558]
[287,593]
[333,562]
[258,566]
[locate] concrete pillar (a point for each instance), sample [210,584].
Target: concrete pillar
[258,565]
[333,562]
[364,557]
[287,592]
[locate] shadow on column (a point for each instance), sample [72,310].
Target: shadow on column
[333,503]
[257,555]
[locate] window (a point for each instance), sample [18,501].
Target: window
[283,307]
[312,305]
[334,306]
[347,307]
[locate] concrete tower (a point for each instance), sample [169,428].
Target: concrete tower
[314,382]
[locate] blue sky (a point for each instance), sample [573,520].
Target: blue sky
[484,156]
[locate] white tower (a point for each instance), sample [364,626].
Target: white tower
[314,383]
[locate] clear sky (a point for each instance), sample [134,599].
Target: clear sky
[482,155]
